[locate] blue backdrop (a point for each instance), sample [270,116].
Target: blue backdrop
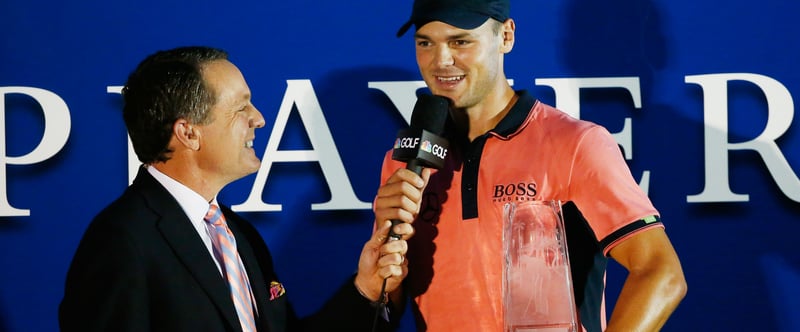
[699,93]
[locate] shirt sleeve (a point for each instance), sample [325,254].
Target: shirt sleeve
[603,189]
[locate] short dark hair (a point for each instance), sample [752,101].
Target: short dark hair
[166,86]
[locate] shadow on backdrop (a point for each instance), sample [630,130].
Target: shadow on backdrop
[628,39]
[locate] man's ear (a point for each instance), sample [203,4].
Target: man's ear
[187,134]
[509,27]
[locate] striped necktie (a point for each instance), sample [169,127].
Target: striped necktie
[232,267]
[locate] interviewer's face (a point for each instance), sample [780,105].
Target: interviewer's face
[226,143]
[464,65]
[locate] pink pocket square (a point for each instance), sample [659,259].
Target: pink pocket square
[275,290]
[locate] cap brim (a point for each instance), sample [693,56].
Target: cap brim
[404,28]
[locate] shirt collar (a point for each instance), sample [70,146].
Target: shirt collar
[192,203]
[516,116]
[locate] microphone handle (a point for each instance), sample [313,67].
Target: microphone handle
[415,166]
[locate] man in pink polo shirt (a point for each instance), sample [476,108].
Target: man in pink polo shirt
[508,146]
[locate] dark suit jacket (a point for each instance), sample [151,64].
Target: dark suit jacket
[141,266]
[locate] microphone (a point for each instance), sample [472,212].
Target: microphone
[422,145]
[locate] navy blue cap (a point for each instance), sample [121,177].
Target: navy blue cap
[463,14]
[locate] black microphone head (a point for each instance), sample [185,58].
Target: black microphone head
[430,113]
[421,145]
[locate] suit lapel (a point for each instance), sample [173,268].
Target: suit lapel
[178,231]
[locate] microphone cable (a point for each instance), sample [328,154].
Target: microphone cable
[380,306]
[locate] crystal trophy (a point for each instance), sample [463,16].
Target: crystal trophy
[537,283]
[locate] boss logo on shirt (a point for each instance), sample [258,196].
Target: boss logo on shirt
[514,191]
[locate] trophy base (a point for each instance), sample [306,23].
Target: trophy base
[542,328]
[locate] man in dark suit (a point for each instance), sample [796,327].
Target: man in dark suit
[158,259]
